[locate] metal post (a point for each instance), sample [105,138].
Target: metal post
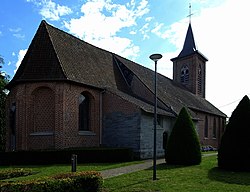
[73,162]
[155,58]
[155,123]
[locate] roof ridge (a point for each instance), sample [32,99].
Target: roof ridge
[43,22]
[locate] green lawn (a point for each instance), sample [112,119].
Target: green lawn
[47,170]
[200,178]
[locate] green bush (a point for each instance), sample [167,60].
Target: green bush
[84,155]
[183,147]
[18,172]
[70,182]
[234,150]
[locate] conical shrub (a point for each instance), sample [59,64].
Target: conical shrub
[183,147]
[234,150]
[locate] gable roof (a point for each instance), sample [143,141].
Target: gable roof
[55,55]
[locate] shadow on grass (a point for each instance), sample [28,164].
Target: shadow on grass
[240,178]
[165,166]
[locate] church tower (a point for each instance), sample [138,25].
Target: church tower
[189,67]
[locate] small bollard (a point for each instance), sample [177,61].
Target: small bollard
[73,162]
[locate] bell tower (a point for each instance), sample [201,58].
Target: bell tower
[189,67]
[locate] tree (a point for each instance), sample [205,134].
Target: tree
[234,151]
[183,147]
[3,95]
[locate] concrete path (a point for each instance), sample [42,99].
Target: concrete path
[137,167]
[129,169]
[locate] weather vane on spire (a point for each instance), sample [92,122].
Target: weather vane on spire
[190,12]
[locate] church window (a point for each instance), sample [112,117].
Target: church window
[199,80]
[184,75]
[214,129]
[84,112]
[206,128]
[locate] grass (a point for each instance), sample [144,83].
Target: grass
[203,177]
[48,170]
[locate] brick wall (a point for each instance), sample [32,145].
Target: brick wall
[121,122]
[57,125]
[213,122]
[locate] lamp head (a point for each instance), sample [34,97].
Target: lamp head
[155,57]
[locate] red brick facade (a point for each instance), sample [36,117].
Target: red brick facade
[47,116]
[62,77]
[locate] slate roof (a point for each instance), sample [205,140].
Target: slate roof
[55,55]
[189,46]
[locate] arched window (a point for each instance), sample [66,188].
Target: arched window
[214,129]
[206,128]
[84,112]
[184,75]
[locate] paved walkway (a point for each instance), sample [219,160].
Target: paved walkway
[136,167]
[129,169]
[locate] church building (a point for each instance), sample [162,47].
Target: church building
[68,93]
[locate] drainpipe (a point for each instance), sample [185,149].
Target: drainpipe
[101,113]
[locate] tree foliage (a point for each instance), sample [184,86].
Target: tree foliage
[234,151]
[183,147]
[3,95]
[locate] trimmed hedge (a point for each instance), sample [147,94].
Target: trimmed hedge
[183,147]
[70,182]
[234,150]
[17,172]
[84,155]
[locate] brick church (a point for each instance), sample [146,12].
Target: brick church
[68,93]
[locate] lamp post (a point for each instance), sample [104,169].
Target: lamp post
[155,58]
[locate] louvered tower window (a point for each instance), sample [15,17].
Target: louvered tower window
[199,80]
[184,75]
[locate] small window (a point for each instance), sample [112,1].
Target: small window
[206,128]
[159,120]
[84,108]
[184,75]
[214,129]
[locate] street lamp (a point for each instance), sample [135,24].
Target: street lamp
[155,58]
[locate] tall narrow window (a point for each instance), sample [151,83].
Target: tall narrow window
[206,128]
[84,107]
[214,129]
[199,80]
[184,75]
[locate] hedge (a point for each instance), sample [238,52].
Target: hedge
[70,182]
[16,172]
[84,155]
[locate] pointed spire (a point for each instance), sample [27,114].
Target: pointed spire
[189,44]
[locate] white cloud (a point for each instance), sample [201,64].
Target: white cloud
[16,30]
[21,55]
[19,36]
[103,20]
[145,30]
[50,10]
[222,34]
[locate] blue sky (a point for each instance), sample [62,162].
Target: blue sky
[137,28]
